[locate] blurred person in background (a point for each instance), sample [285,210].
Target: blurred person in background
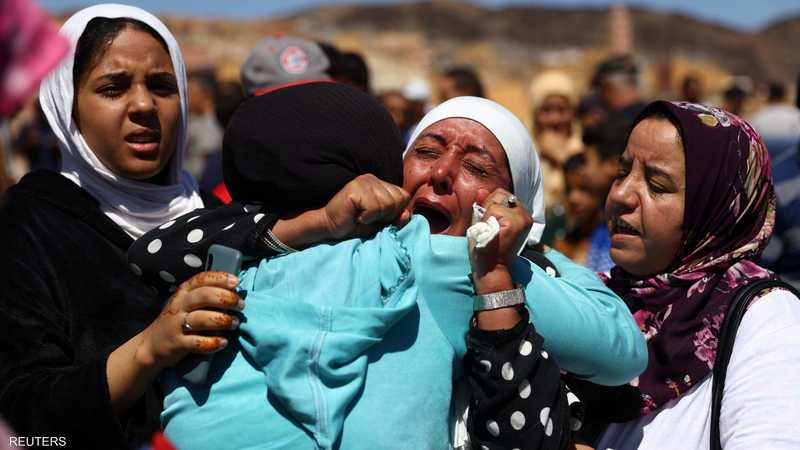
[33,144]
[733,99]
[347,67]
[603,145]
[229,96]
[778,122]
[618,86]
[398,108]
[418,94]
[586,241]
[557,136]
[618,80]
[279,60]
[353,70]
[782,255]
[203,133]
[29,49]
[591,111]
[692,89]
[459,81]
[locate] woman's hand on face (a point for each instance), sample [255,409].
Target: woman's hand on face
[205,303]
[363,206]
[490,264]
[515,222]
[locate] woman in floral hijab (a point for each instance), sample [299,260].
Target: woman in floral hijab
[689,214]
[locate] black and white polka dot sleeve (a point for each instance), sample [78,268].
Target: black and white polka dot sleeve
[518,400]
[175,251]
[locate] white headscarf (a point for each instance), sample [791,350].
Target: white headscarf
[523,161]
[135,206]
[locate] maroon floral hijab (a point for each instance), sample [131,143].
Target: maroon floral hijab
[728,220]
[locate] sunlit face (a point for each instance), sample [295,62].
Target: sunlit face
[555,114]
[128,107]
[452,164]
[645,206]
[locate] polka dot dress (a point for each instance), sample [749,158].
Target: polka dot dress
[176,250]
[518,400]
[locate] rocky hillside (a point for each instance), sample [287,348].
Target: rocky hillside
[765,54]
[508,46]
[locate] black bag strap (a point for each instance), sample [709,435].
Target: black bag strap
[727,336]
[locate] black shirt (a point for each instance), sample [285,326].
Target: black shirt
[68,299]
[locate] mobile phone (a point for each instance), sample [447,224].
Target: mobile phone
[194,368]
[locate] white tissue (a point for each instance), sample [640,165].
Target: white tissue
[477,213]
[482,232]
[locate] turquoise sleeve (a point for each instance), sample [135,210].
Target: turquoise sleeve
[595,336]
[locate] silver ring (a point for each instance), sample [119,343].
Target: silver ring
[185,324]
[511,201]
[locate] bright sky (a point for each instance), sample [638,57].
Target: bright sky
[745,14]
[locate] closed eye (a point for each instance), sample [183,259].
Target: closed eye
[426,152]
[476,169]
[656,188]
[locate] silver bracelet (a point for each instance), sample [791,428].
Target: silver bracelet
[497,300]
[273,243]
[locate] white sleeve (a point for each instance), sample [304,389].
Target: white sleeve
[761,402]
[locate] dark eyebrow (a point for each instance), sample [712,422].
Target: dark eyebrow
[114,76]
[437,137]
[165,79]
[162,76]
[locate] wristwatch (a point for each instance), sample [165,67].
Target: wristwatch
[497,300]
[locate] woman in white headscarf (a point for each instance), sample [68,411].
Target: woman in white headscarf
[461,151]
[81,338]
[505,158]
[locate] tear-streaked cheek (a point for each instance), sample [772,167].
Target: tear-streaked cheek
[414,176]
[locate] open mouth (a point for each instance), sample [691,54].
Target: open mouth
[146,140]
[438,219]
[619,226]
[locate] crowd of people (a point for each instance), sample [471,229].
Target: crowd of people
[420,268]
